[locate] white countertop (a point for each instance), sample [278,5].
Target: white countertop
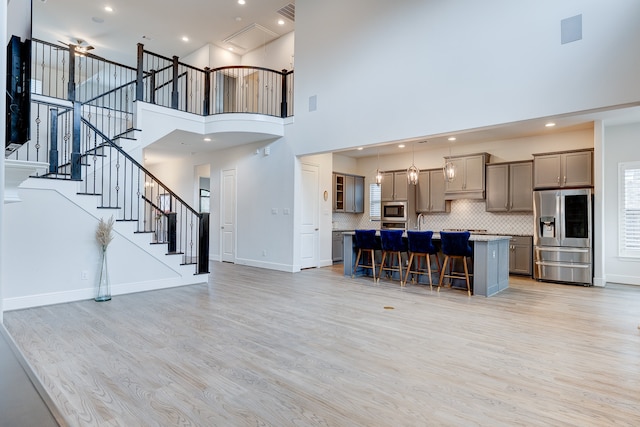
[472,238]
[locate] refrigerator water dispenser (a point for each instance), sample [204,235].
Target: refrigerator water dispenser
[548,226]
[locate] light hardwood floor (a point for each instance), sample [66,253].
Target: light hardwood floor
[263,348]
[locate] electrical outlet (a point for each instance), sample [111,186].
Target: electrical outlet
[84,275]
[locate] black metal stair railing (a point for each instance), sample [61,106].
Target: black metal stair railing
[82,104]
[135,194]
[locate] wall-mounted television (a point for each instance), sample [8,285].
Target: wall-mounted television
[18,93]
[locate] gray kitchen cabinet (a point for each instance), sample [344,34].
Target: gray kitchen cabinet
[430,192]
[348,194]
[469,182]
[521,255]
[394,186]
[337,246]
[509,187]
[338,192]
[355,194]
[566,169]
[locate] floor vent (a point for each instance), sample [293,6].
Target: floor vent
[289,12]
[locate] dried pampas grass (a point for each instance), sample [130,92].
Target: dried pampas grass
[104,232]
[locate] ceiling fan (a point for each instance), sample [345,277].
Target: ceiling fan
[81,46]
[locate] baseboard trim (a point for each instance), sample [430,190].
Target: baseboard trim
[40,300]
[288,268]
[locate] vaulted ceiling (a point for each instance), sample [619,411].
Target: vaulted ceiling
[161,25]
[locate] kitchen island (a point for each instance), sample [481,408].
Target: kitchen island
[490,263]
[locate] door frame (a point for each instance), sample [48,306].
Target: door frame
[223,200]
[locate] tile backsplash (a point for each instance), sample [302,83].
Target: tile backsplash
[469,214]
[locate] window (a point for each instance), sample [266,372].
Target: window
[205,197]
[374,202]
[629,209]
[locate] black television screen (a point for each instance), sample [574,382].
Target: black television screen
[18,93]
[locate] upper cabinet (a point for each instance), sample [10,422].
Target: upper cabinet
[348,193]
[394,186]
[510,187]
[566,169]
[469,182]
[430,192]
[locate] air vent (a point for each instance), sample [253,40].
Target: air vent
[289,12]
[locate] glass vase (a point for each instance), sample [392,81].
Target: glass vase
[104,287]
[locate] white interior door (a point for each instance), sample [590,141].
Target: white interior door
[310,203]
[228,216]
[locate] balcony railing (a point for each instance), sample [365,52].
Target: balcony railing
[158,80]
[233,89]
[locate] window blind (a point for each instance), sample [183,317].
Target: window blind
[374,202]
[629,209]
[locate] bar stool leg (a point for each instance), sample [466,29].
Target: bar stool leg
[384,255]
[428,261]
[406,277]
[466,275]
[355,266]
[402,283]
[442,270]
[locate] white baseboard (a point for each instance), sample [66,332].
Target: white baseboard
[625,280]
[268,265]
[40,300]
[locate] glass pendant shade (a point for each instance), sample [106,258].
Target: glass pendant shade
[449,170]
[412,174]
[378,177]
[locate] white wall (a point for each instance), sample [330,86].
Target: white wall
[211,56]
[263,183]
[277,55]
[395,70]
[3,109]
[20,22]
[49,241]
[621,145]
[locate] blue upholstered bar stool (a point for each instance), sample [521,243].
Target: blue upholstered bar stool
[366,242]
[421,246]
[392,246]
[455,245]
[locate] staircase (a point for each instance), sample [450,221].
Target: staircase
[80,138]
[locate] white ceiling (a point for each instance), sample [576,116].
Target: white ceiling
[160,25]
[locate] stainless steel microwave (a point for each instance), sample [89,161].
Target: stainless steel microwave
[394,211]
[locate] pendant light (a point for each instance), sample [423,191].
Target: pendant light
[413,172]
[449,168]
[378,173]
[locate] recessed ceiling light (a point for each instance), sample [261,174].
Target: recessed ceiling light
[241,2]
[360,148]
[108,8]
[207,139]
[230,48]
[401,146]
[280,21]
[185,39]
[550,125]
[451,138]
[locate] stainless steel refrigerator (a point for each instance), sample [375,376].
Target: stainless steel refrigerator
[563,236]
